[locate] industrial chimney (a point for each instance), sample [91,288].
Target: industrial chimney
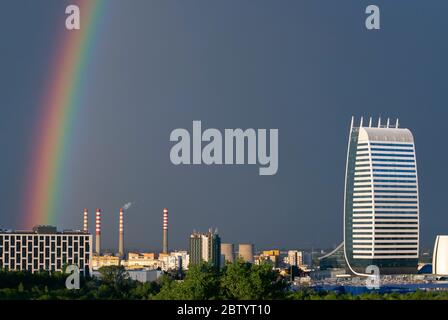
[165,231]
[121,235]
[98,232]
[85,226]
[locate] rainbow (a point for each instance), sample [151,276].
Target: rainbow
[61,98]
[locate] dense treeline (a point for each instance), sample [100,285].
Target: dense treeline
[239,280]
[307,294]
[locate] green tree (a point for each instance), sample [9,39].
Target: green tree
[202,282]
[115,281]
[246,281]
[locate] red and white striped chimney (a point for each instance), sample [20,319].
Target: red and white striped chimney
[165,231]
[121,234]
[98,231]
[85,226]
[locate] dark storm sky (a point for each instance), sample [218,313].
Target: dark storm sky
[304,67]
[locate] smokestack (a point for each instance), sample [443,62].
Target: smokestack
[165,231]
[98,232]
[121,235]
[85,226]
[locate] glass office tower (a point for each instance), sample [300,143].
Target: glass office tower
[381,209]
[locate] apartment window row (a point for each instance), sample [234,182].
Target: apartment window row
[387,165]
[381,175]
[388,160]
[392,150]
[380,144]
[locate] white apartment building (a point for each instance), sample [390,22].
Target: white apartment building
[44,248]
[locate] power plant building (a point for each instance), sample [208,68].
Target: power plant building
[228,252]
[98,232]
[121,234]
[246,252]
[165,231]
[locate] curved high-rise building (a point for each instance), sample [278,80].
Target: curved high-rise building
[381,209]
[440,256]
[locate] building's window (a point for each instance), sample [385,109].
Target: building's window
[389,160]
[381,196]
[381,201]
[396,207]
[394,170]
[394,181]
[396,165]
[412,191]
[392,150]
[381,144]
[362,181]
[410,176]
[393,186]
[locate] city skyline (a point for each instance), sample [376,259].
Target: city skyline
[154,67]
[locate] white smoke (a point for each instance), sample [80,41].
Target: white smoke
[127,206]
